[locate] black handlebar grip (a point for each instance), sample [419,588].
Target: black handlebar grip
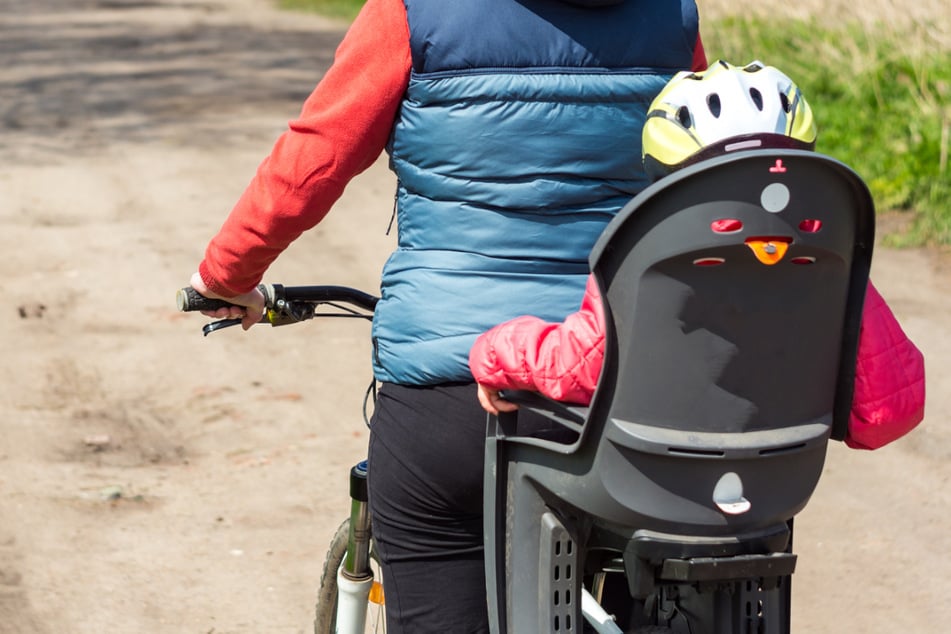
[188,299]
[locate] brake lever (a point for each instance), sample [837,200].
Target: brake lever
[288,313]
[207,329]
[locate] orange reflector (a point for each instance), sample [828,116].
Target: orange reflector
[376,593]
[768,252]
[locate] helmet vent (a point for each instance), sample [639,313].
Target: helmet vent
[683,116]
[713,103]
[757,98]
[784,100]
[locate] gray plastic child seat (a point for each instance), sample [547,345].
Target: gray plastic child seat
[727,369]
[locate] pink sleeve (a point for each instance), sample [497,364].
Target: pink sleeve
[889,396]
[562,361]
[342,129]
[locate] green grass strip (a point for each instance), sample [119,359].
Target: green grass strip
[346,9]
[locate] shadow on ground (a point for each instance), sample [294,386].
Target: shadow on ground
[77,78]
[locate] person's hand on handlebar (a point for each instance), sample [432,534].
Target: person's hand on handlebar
[491,402]
[249,307]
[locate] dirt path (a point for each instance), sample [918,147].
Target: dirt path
[152,481]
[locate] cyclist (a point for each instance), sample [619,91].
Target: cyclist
[563,360]
[507,123]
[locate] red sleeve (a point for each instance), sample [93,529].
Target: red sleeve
[562,361]
[342,129]
[699,57]
[889,396]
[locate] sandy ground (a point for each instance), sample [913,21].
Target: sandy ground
[155,481]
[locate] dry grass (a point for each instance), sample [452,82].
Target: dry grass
[919,23]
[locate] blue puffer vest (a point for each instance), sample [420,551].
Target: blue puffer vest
[517,141]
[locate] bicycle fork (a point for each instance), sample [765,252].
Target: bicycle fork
[355,578]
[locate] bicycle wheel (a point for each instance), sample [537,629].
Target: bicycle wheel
[325,614]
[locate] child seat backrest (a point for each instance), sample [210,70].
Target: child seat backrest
[733,292]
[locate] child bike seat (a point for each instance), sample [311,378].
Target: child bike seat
[733,294]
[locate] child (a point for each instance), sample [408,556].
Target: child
[563,360]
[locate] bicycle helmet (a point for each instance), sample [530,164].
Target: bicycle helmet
[724,109]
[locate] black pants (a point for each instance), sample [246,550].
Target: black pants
[425,480]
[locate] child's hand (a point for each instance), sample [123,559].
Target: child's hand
[491,402]
[250,306]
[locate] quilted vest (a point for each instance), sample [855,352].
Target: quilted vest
[517,141]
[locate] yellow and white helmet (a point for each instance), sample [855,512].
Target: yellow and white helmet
[724,109]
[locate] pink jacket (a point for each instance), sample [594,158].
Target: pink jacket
[563,361]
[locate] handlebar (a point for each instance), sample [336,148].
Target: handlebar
[287,304]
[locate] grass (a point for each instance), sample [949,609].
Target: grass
[346,9]
[880,91]
[881,100]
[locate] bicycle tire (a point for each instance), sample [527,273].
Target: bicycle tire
[325,611]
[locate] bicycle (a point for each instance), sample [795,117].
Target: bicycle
[670,509]
[351,595]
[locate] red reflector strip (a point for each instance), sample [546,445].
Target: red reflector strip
[726,225]
[708,261]
[803,259]
[810,225]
